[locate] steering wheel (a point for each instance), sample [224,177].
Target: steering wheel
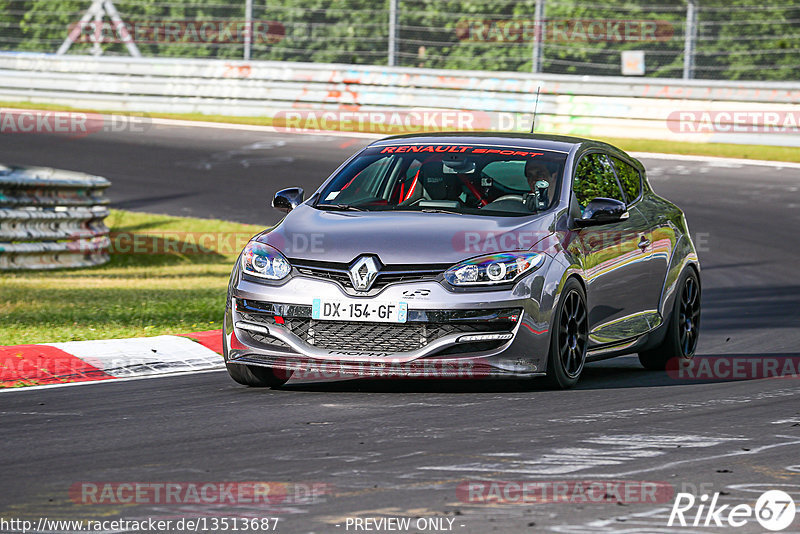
[509,197]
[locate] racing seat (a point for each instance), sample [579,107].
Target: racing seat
[438,186]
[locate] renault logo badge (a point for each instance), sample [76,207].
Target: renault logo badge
[363,272]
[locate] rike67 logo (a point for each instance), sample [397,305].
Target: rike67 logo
[774,510]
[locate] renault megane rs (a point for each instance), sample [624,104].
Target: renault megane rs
[466,254]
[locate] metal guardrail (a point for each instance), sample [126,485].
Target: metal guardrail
[52,219]
[577,105]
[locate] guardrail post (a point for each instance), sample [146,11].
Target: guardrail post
[689,39]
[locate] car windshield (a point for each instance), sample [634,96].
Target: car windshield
[480,180]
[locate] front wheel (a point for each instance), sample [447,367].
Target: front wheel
[569,338]
[256,376]
[680,340]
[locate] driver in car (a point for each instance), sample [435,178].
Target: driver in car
[541,181]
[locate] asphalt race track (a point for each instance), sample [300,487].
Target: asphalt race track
[401,448]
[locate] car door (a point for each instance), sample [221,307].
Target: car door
[614,265]
[656,239]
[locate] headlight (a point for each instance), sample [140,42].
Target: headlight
[264,261]
[494,269]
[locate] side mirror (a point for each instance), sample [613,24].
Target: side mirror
[288,199]
[603,211]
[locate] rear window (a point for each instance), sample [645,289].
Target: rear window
[471,179]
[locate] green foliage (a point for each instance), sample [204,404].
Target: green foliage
[747,40]
[629,179]
[594,178]
[46,24]
[737,39]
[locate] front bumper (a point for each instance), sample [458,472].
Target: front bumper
[500,333]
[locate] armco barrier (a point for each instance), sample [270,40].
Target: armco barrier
[577,105]
[51,219]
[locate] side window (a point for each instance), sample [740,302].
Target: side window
[629,179]
[595,177]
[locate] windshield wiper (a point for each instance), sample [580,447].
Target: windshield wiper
[427,210]
[440,210]
[339,207]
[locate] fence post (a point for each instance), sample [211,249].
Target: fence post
[690,38]
[538,40]
[392,32]
[248,28]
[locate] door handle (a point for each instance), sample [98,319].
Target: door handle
[644,243]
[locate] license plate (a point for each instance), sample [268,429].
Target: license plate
[371,311]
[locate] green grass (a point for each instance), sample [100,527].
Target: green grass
[761,152]
[134,294]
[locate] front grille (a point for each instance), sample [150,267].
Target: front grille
[389,274]
[423,328]
[258,337]
[372,337]
[267,340]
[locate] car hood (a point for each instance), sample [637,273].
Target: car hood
[401,237]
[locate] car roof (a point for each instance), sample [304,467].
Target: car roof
[561,143]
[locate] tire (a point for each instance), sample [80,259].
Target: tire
[680,340]
[569,337]
[256,376]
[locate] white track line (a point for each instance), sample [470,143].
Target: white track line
[257,128]
[363,135]
[715,159]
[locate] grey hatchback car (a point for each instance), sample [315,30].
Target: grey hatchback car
[466,255]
